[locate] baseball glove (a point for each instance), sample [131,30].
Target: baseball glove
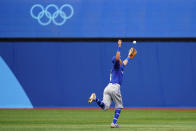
[132,53]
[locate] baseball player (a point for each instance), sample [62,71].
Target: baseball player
[112,90]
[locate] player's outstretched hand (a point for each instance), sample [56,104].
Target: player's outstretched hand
[119,43]
[132,53]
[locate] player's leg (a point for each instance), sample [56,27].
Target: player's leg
[98,101]
[107,97]
[107,100]
[117,98]
[116,116]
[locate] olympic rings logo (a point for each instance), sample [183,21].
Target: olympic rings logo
[45,16]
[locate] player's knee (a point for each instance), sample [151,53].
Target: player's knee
[106,107]
[119,106]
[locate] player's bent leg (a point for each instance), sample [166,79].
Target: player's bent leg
[94,98]
[100,103]
[106,99]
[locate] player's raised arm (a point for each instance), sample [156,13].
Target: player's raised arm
[118,51]
[132,53]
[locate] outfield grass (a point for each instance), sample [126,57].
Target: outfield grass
[96,120]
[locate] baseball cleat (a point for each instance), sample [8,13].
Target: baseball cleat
[114,125]
[92,98]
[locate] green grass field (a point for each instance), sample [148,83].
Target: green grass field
[96,120]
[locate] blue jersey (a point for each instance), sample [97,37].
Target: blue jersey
[116,74]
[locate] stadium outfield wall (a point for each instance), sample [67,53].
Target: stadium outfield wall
[97,18]
[64,74]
